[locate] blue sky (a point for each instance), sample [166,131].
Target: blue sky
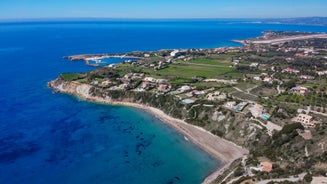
[13,9]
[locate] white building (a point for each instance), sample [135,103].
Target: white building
[254,64]
[185,88]
[231,104]
[173,53]
[150,79]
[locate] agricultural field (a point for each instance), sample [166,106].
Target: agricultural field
[192,70]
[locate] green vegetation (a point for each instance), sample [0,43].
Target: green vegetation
[189,70]
[71,76]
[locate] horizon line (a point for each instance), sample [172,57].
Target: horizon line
[126,18]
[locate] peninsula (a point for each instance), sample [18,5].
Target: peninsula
[258,108]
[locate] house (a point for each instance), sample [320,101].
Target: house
[254,65]
[197,92]
[268,79]
[290,70]
[266,166]
[163,87]
[150,79]
[162,81]
[236,62]
[174,53]
[320,73]
[257,78]
[231,104]
[307,77]
[145,85]
[111,66]
[216,96]
[146,55]
[305,120]
[299,54]
[185,88]
[123,86]
[299,90]
[257,110]
[128,76]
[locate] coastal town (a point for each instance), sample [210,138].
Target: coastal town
[268,97]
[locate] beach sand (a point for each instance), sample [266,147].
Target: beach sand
[217,147]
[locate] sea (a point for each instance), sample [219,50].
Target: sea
[56,138]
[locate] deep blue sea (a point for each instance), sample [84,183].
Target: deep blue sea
[55,138]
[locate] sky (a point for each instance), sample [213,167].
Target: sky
[26,9]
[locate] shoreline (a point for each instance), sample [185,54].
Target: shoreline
[220,149]
[188,131]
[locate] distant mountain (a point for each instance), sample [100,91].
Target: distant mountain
[321,21]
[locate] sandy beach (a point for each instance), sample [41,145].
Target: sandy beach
[221,149]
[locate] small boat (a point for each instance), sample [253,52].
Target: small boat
[186,138]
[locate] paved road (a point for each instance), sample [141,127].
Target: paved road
[291,179]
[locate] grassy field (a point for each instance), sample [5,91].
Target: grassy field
[189,70]
[244,96]
[71,76]
[214,62]
[183,71]
[245,85]
[264,91]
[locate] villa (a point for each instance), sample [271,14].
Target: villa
[254,65]
[299,90]
[266,166]
[307,77]
[145,85]
[163,87]
[290,70]
[150,79]
[320,73]
[305,120]
[184,89]
[161,81]
[257,110]
[216,96]
[174,53]
[231,104]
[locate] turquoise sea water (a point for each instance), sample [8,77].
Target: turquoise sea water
[56,138]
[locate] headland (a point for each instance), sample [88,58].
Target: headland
[243,105]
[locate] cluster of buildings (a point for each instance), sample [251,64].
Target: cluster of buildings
[321,73]
[160,85]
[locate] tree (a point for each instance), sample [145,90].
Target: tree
[308,178]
